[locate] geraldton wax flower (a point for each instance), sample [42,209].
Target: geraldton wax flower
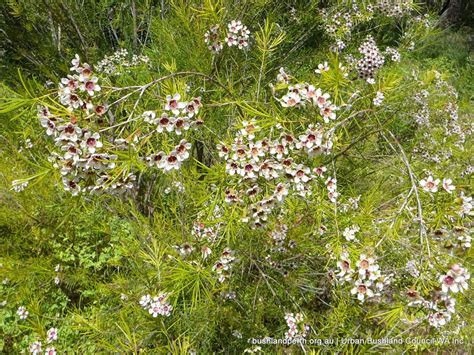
[52,335]
[35,348]
[157,305]
[455,280]
[237,35]
[371,61]
[22,312]
[430,184]
[296,326]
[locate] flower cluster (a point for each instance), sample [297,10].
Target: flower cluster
[119,62]
[224,265]
[431,185]
[350,232]
[300,94]
[36,346]
[77,91]
[178,116]
[331,185]
[204,236]
[339,24]
[455,279]
[171,161]
[22,312]
[212,39]
[82,162]
[393,54]
[296,326]
[273,161]
[466,205]
[157,305]
[393,8]
[367,280]
[278,235]
[371,61]
[19,185]
[237,35]
[441,306]
[378,99]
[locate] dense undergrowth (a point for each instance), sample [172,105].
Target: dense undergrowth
[312,180]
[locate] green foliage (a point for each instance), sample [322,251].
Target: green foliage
[113,249]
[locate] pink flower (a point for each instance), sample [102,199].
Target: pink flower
[429,185]
[182,150]
[290,100]
[173,104]
[362,290]
[320,99]
[172,161]
[52,334]
[91,86]
[448,186]
[35,348]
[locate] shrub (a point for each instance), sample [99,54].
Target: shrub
[253,171]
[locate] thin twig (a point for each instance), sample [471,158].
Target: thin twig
[423,236]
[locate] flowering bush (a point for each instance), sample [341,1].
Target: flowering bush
[250,171]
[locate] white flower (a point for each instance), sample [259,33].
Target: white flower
[439,319]
[448,186]
[349,232]
[320,170]
[331,184]
[328,112]
[91,142]
[345,268]
[378,99]
[281,191]
[173,104]
[157,160]
[455,279]
[90,86]
[321,99]
[22,312]
[149,116]
[165,123]
[75,62]
[145,301]
[50,351]
[430,184]
[362,290]
[205,251]
[322,68]
[182,150]
[291,99]
[172,162]
[35,348]
[52,335]
[282,77]
[366,266]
